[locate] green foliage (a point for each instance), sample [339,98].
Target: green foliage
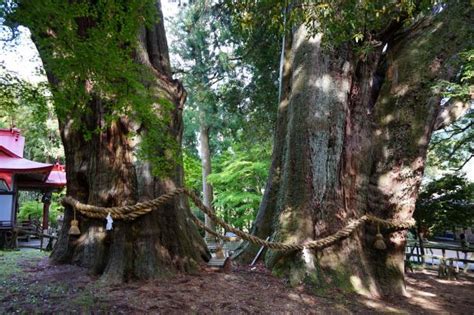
[239,179]
[28,107]
[87,48]
[193,178]
[338,21]
[200,43]
[74,37]
[231,76]
[257,50]
[463,87]
[33,209]
[239,182]
[445,203]
[452,147]
[192,171]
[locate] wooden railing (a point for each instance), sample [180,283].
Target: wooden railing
[425,252]
[33,229]
[28,228]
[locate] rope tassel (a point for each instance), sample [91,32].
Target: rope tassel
[74,229]
[379,242]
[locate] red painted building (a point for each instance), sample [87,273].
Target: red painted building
[18,173]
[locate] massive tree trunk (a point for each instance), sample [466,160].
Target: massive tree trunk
[103,169]
[351,138]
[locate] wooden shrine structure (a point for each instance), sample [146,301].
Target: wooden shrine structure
[18,173]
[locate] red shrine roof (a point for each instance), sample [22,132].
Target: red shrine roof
[30,174]
[57,177]
[12,142]
[21,165]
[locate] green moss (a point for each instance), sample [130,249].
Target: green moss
[388,275]
[325,280]
[291,268]
[321,281]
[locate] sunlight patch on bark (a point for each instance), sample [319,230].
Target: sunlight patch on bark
[292,229]
[164,252]
[325,83]
[451,112]
[169,184]
[283,104]
[418,163]
[401,90]
[67,127]
[94,234]
[359,287]
[385,121]
[302,38]
[398,239]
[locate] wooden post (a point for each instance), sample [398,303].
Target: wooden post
[418,254]
[457,262]
[45,215]
[46,200]
[422,249]
[466,264]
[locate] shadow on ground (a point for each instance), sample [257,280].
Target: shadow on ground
[30,284]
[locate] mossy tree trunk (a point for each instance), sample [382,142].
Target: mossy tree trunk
[103,169]
[351,138]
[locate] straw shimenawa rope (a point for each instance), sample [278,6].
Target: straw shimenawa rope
[134,211]
[209,230]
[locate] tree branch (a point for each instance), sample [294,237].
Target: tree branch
[456,131]
[465,162]
[459,144]
[450,113]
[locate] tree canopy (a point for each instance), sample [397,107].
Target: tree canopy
[74,54]
[446,203]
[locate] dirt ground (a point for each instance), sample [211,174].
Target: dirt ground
[30,284]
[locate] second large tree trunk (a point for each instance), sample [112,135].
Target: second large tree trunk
[351,138]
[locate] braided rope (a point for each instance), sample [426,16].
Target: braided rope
[128,213]
[209,230]
[133,211]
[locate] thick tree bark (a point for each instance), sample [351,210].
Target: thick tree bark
[205,153]
[351,138]
[104,171]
